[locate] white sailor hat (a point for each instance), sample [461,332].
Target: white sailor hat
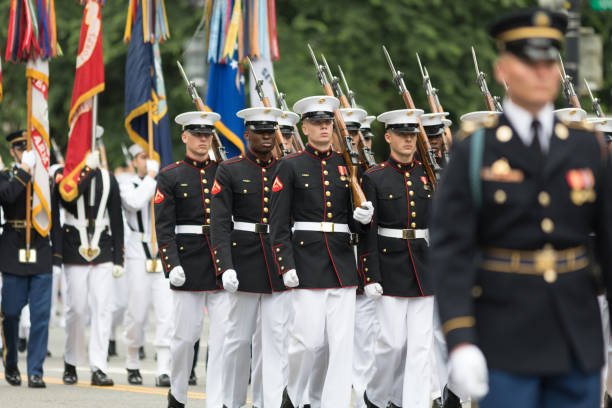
[401,120]
[571,114]
[287,121]
[602,124]
[366,126]
[198,122]
[317,107]
[352,117]
[434,123]
[134,150]
[99,131]
[260,118]
[479,115]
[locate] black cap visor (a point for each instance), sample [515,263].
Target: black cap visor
[199,129]
[534,49]
[318,115]
[407,128]
[262,126]
[286,130]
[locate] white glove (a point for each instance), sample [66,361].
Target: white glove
[373,290]
[364,213]
[230,280]
[117,271]
[152,166]
[93,159]
[28,158]
[290,278]
[468,371]
[57,270]
[177,276]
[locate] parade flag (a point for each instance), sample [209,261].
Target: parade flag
[38,72]
[145,92]
[88,81]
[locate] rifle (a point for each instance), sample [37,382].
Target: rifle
[568,86]
[298,144]
[345,142]
[279,148]
[595,101]
[492,102]
[435,105]
[56,151]
[126,156]
[217,146]
[432,168]
[366,156]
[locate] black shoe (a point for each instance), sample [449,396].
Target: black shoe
[70,374]
[286,403]
[141,353]
[112,348]
[22,345]
[367,401]
[608,403]
[36,381]
[193,380]
[134,377]
[450,399]
[162,381]
[12,376]
[437,403]
[100,378]
[173,403]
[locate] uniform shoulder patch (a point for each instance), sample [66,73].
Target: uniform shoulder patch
[216,188]
[277,185]
[159,197]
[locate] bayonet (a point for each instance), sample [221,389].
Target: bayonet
[595,101]
[349,93]
[492,103]
[568,86]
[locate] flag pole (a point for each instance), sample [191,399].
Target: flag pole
[152,205]
[28,217]
[94,129]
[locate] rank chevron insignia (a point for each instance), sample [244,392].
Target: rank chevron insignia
[277,186]
[159,197]
[216,188]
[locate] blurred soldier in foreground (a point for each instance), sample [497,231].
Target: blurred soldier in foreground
[511,223]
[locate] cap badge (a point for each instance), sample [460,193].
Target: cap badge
[322,101]
[408,113]
[541,19]
[349,113]
[267,111]
[204,115]
[284,115]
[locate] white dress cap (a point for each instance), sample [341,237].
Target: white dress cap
[602,124]
[401,119]
[479,115]
[317,107]
[135,150]
[366,123]
[197,120]
[571,114]
[352,117]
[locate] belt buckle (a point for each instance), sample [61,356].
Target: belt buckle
[545,263]
[206,229]
[327,226]
[408,234]
[19,224]
[262,228]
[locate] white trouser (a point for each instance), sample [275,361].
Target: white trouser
[146,289]
[244,309]
[316,313]
[366,332]
[90,292]
[188,316]
[120,302]
[257,392]
[55,289]
[24,322]
[403,322]
[606,374]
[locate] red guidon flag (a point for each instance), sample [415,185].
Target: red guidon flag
[88,81]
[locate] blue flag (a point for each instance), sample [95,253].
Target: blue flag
[226,96]
[144,88]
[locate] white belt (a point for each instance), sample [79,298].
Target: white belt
[251,227]
[77,223]
[321,227]
[192,229]
[404,233]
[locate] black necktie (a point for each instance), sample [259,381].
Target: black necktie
[535,143]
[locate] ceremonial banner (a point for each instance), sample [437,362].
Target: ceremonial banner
[144,88]
[88,81]
[38,72]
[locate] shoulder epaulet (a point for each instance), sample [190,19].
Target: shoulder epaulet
[292,155]
[470,126]
[377,167]
[589,127]
[171,166]
[234,159]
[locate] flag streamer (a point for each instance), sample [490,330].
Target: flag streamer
[154,24]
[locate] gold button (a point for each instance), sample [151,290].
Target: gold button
[164,250]
[365,259]
[265,220]
[409,183]
[413,214]
[166,257]
[368,279]
[329,204]
[325,172]
[244,191]
[561,131]
[411,193]
[215,252]
[280,258]
[207,201]
[328,193]
[277,249]
[208,221]
[266,189]
[413,225]
[265,179]
[326,183]
[282,268]
[234,244]
[203,171]
[390,195]
[181,248]
[547,225]
[329,215]
[217,261]
[412,204]
[476,291]
[365,269]
[208,211]
[324,162]
[407,174]
[550,275]
[219,268]
[500,196]
[265,209]
[504,133]
[205,181]
[399,165]
[206,191]
[544,198]
[263,170]
[301,242]
[184,194]
[266,199]
[384,249]
[306,185]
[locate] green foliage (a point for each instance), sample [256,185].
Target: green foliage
[349,32]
